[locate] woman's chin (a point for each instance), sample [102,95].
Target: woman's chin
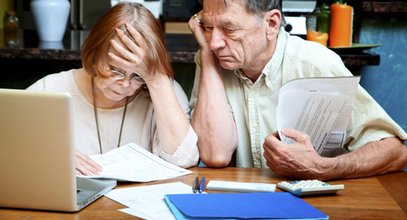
[117,97]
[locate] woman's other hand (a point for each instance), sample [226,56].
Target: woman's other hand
[86,166]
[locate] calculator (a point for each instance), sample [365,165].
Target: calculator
[309,187]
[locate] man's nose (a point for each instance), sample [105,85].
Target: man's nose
[217,40]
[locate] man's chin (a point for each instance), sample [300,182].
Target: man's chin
[229,65]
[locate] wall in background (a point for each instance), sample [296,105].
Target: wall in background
[387,83]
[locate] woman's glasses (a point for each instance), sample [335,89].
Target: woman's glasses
[117,74]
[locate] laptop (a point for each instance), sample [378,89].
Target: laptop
[37,163]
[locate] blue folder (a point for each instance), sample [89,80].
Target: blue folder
[267,205]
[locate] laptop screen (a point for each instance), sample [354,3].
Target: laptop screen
[36,150]
[37,154]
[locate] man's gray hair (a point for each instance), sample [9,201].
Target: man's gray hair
[257,6]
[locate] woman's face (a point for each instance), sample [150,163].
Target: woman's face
[115,84]
[114,80]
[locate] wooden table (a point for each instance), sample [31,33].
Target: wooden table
[380,197]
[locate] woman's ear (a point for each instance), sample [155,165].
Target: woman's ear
[273,19]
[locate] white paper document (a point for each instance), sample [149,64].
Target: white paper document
[131,162]
[147,202]
[320,107]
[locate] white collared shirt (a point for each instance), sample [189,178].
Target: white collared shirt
[254,110]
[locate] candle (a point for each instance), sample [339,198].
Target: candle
[340,30]
[317,36]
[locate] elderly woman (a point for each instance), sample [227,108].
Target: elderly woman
[125,91]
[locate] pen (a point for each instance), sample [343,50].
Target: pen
[202,185]
[195,185]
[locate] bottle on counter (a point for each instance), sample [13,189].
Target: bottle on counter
[11,26]
[323,18]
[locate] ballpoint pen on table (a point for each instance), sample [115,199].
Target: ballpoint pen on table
[198,186]
[202,185]
[195,185]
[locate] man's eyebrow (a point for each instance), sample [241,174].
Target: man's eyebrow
[202,20]
[223,23]
[230,24]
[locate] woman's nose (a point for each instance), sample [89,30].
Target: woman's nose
[125,82]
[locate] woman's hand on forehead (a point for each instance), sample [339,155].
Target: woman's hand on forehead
[129,53]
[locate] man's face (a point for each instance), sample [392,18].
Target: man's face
[236,37]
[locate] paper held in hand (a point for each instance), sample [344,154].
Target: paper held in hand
[131,162]
[320,107]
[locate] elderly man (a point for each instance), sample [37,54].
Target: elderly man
[245,56]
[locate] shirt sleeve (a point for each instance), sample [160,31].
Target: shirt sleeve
[369,120]
[37,86]
[57,82]
[370,123]
[194,92]
[187,153]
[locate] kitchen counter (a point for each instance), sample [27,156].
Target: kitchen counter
[181,47]
[29,60]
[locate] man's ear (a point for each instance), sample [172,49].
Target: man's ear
[273,19]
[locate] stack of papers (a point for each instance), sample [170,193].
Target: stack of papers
[320,107]
[269,205]
[147,202]
[133,163]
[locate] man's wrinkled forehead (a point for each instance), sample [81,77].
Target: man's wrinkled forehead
[218,3]
[214,5]
[219,7]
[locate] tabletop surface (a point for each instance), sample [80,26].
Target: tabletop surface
[379,197]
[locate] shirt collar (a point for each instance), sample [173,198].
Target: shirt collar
[275,62]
